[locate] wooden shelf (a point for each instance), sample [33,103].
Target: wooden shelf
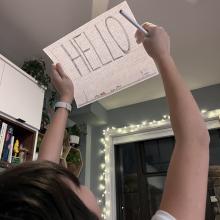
[24,134]
[6,165]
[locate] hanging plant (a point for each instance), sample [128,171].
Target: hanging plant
[74,130]
[53,98]
[36,68]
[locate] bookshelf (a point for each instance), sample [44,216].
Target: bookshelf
[26,135]
[21,104]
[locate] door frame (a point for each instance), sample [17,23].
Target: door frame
[114,139]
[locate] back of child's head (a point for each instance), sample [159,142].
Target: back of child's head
[37,191]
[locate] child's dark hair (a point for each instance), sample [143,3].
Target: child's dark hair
[36,191]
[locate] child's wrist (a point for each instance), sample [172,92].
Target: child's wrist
[63,105]
[66,99]
[163,59]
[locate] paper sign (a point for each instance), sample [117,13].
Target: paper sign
[102,56]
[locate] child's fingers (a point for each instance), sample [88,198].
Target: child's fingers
[55,76]
[61,71]
[139,36]
[148,26]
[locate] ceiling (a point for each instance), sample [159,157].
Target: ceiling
[27,26]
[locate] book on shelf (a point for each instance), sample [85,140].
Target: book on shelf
[2,136]
[11,149]
[7,143]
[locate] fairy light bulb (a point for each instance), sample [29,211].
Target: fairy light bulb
[101,187]
[102,166]
[101,178]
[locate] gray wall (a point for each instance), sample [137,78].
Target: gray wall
[207,98]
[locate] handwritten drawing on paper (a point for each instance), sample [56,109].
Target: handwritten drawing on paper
[102,56]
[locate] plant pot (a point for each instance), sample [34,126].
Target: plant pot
[74,139]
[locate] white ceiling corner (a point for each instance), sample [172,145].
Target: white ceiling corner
[98,7]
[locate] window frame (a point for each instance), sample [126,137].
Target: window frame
[159,132]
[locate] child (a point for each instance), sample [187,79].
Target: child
[44,190]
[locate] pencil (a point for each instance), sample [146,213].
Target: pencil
[132,21]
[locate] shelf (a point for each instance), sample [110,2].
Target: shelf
[6,165]
[25,135]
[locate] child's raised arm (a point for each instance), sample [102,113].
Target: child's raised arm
[51,146]
[186,186]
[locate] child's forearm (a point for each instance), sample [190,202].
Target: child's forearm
[52,143]
[187,122]
[185,189]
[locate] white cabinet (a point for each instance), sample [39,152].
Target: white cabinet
[2,66]
[20,96]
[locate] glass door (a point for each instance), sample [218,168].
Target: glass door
[140,175]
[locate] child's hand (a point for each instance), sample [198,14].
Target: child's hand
[157,44]
[62,83]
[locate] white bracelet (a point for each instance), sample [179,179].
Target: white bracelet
[65,105]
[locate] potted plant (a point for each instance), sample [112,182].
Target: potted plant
[71,157]
[74,134]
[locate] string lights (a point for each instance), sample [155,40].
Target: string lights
[108,133]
